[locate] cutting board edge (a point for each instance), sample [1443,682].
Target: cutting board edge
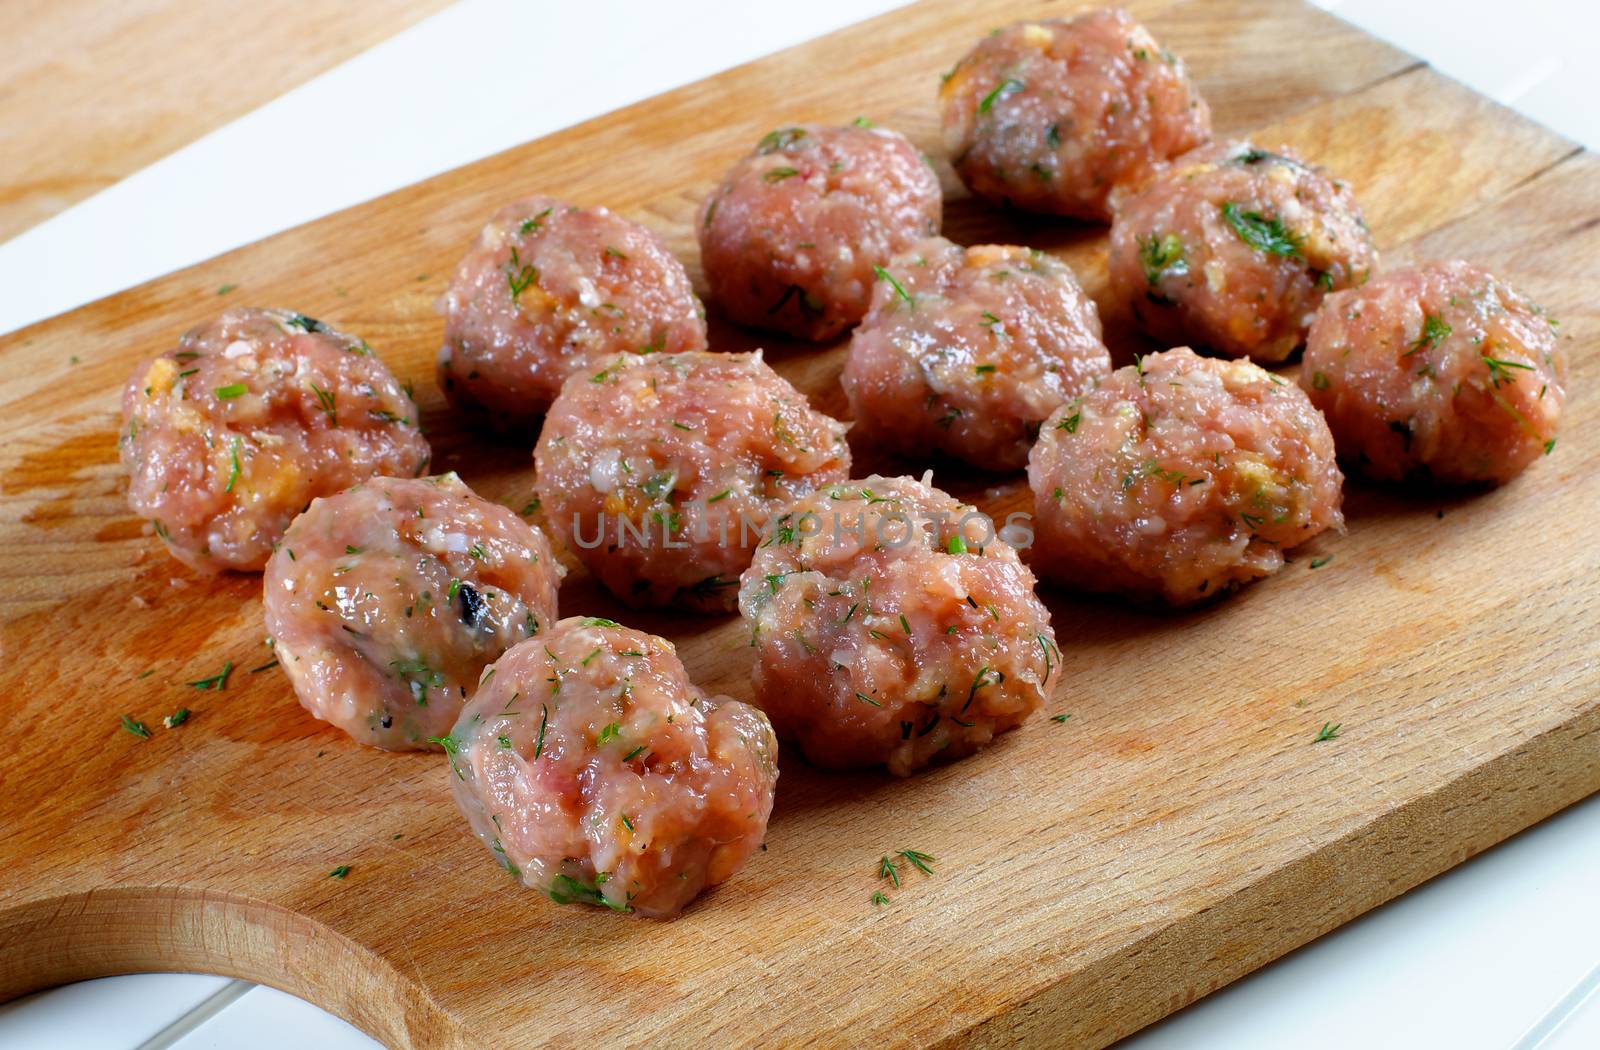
[1544,775]
[83,934]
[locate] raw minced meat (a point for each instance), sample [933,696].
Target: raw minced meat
[893,626]
[387,601]
[549,289]
[661,472]
[791,237]
[967,350]
[1232,248]
[1050,115]
[1437,372]
[254,415]
[1178,477]
[595,771]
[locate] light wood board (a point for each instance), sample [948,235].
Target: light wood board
[91,92]
[1180,830]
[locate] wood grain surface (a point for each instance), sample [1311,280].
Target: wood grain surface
[91,92]
[1180,830]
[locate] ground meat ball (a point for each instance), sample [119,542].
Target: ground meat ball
[967,350]
[229,436]
[1179,477]
[548,290]
[597,772]
[1233,248]
[1438,372]
[661,472]
[1048,116]
[387,601]
[892,627]
[790,239]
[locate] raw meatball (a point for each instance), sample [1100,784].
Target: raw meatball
[1048,116]
[549,290]
[1179,477]
[967,350]
[892,626]
[791,238]
[661,472]
[1439,372]
[598,773]
[387,601]
[229,436]
[1233,248]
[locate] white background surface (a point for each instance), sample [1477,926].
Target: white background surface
[1503,951]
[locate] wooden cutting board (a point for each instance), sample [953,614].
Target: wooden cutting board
[92,92]
[1181,829]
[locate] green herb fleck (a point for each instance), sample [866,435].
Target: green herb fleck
[659,486]
[1500,369]
[217,681]
[899,290]
[325,401]
[1434,332]
[1008,86]
[1263,233]
[1161,256]
[519,275]
[233,474]
[564,889]
[783,138]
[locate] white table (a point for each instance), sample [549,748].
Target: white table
[1503,951]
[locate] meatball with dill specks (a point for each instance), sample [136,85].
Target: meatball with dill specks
[387,602]
[893,626]
[254,415]
[1050,115]
[1438,372]
[550,289]
[1232,248]
[660,473]
[967,350]
[596,772]
[1179,477]
[791,238]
